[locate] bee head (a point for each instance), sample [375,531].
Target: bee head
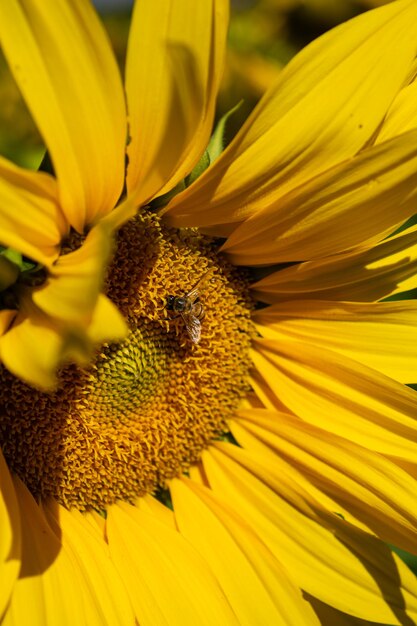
[170,303]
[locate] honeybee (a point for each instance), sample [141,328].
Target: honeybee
[190,308]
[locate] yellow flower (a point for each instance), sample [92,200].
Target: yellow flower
[281,446]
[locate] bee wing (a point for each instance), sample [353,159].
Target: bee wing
[195,291]
[193,326]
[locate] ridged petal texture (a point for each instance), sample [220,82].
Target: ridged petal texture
[10,537]
[258,588]
[326,106]
[351,204]
[30,217]
[47,591]
[291,526]
[175,55]
[340,395]
[381,335]
[99,578]
[366,274]
[167,580]
[365,487]
[329,558]
[63,63]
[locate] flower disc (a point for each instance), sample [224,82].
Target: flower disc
[147,407]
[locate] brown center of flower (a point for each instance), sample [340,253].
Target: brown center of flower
[146,407]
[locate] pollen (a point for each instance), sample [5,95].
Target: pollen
[146,408]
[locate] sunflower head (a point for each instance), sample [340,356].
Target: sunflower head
[219,450]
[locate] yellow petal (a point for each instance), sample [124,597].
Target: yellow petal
[63,63]
[291,466]
[97,524]
[174,63]
[34,347]
[326,105]
[35,344]
[99,578]
[358,202]
[30,219]
[341,396]
[149,504]
[74,282]
[381,335]
[367,485]
[401,114]
[10,538]
[249,587]
[6,319]
[47,591]
[30,349]
[168,582]
[363,275]
[329,615]
[107,323]
[321,563]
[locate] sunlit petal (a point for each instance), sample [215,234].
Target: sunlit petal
[33,347]
[363,275]
[63,63]
[107,323]
[326,105]
[317,557]
[171,96]
[341,396]
[401,115]
[253,592]
[71,290]
[30,219]
[99,577]
[10,538]
[381,335]
[329,615]
[149,504]
[361,484]
[155,563]
[47,591]
[356,203]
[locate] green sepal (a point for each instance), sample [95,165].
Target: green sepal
[213,150]
[201,166]
[216,144]
[163,200]
[23,264]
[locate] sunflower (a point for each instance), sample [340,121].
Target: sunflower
[246,454]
